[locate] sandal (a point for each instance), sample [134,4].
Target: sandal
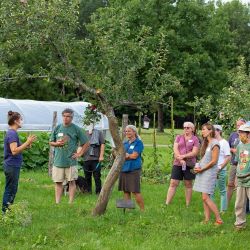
[205,222]
[218,222]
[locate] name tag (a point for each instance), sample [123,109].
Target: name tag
[60,134]
[190,140]
[131,147]
[245,152]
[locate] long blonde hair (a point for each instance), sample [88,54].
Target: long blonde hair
[204,144]
[134,129]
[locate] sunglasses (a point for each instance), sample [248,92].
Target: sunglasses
[186,127]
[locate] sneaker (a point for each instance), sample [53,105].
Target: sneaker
[240,227]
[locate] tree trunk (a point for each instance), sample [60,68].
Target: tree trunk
[113,174]
[160,118]
[124,124]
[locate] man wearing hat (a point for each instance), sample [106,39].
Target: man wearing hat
[233,142]
[224,158]
[243,176]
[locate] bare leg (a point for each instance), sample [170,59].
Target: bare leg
[211,205]
[58,191]
[139,200]
[206,211]
[188,191]
[127,196]
[171,190]
[72,191]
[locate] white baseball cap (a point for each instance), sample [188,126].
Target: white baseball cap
[218,127]
[244,127]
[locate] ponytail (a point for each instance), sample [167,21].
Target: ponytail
[12,117]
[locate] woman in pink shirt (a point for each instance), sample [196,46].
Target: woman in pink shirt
[186,148]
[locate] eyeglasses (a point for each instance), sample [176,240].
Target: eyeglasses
[186,127]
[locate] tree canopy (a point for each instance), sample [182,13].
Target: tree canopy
[131,50]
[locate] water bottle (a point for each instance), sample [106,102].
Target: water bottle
[197,165]
[184,167]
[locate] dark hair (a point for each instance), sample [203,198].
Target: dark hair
[12,117]
[69,111]
[204,145]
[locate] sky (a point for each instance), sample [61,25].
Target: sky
[243,1]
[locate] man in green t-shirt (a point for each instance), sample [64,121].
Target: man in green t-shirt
[66,138]
[243,176]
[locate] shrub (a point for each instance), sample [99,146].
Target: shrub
[17,215]
[37,156]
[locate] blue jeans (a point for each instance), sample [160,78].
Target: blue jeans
[11,185]
[221,184]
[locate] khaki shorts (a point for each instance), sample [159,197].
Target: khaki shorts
[232,174]
[61,174]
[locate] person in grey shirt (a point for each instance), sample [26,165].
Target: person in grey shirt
[93,158]
[206,171]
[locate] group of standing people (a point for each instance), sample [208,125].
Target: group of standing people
[210,172]
[71,142]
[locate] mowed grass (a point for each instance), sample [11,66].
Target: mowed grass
[67,226]
[161,138]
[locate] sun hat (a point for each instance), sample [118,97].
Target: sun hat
[244,127]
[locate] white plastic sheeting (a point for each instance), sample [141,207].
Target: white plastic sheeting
[38,115]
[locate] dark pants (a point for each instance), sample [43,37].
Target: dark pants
[247,208]
[89,168]
[11,185]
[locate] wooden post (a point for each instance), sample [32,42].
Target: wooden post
[124,124]
[194,116]
[51,149]
[160,118]
[154,134]
[172,113]
[139,125]
[171,100]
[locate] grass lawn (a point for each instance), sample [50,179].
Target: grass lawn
[67,226]
[161,138]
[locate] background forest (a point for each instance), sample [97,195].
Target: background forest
[137,52]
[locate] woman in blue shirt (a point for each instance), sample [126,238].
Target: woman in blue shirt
[129,181]
[13,158]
